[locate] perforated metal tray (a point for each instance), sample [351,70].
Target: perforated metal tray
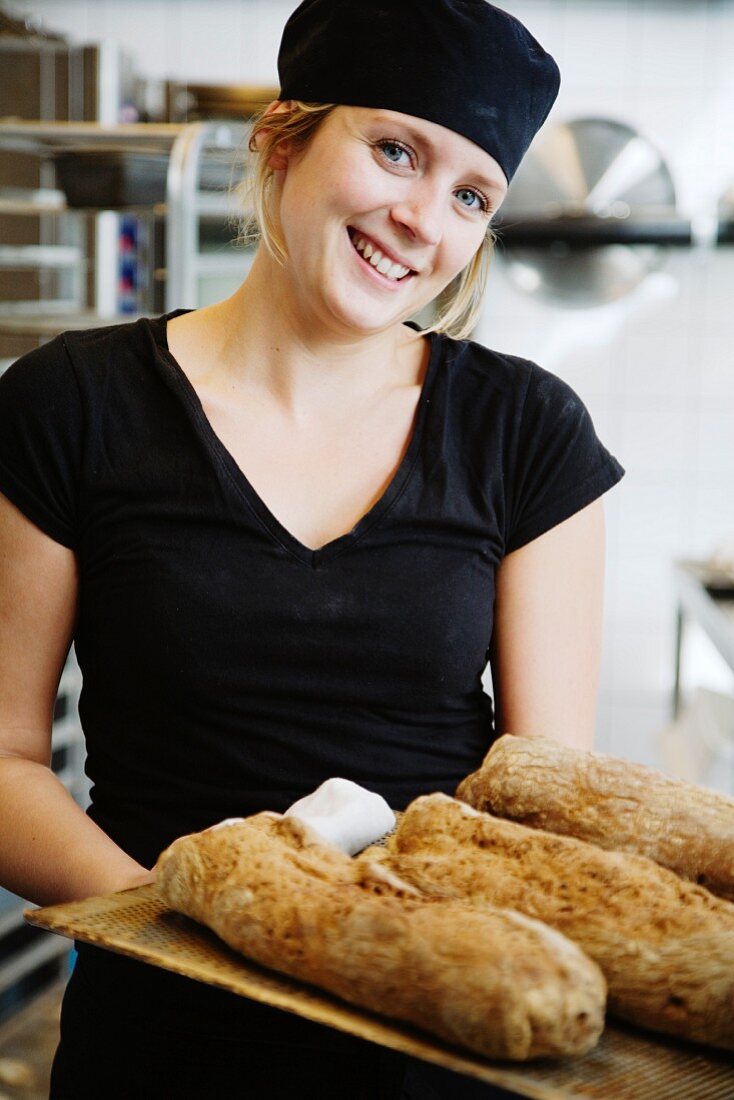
[626,1065]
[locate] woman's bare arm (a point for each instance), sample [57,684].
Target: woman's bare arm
[547,632]
[50,851]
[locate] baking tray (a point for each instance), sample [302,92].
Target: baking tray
[626,1064]
[117,178]
[111,177]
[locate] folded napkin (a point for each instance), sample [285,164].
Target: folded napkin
[345,814]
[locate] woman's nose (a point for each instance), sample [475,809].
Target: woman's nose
[422,213]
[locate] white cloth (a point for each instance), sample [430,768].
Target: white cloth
[345,814]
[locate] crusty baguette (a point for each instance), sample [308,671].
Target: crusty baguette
[666,946]
[493,981]
[610,802]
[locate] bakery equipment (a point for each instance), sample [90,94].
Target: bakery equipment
[627,1064]
[590,213]
[725,218]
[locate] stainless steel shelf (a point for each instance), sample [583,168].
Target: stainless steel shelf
[51,323]
[44,138]
[21,208]
[30,256]
[207,206]
[588,231]
[30,202]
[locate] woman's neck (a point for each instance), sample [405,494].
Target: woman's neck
[258,338]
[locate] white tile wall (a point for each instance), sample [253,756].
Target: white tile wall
[216,41]
[657,369]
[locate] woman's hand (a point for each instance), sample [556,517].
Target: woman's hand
[140,878]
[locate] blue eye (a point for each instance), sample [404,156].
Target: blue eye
[483,203]
[389,148]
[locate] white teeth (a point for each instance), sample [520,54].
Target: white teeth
[383,264]
[397,271]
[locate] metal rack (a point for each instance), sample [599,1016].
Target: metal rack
[188,232]
[186,204]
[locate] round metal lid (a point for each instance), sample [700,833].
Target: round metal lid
[588,213]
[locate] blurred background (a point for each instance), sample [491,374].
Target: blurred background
[122,127]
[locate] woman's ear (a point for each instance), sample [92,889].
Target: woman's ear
[278,106]
[278,159]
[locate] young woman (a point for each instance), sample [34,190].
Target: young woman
[287,532]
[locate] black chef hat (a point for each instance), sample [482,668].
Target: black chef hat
[464,64]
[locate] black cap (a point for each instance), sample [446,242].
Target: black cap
[464,64]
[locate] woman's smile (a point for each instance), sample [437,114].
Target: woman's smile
[377,263]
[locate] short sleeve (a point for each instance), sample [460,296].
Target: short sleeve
[560,465]
[41,429]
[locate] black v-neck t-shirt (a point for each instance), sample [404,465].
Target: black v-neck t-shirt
[227,668]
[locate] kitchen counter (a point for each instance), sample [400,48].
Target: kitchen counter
[707,598]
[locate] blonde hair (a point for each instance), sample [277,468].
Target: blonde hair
[458,305]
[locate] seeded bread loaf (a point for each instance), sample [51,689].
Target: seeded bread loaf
[665,946]
[494,981]
[610,802]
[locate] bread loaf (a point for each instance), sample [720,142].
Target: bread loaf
[493,981]
[610,802]
[665,946]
